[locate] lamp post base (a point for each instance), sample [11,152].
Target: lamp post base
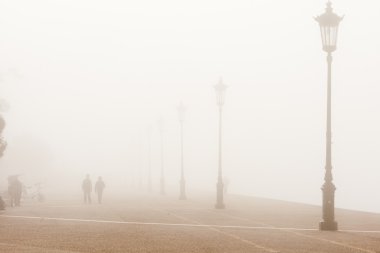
[182,195]
[328,226]
[219,195]
[220,206]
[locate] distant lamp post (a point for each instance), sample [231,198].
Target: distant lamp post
[161,130]
[149,159]
[181,113]
[220,90]
[329,24]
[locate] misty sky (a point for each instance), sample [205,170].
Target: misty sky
[85,80]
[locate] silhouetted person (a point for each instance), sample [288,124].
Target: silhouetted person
[87,189]
[99,187]
[14,190]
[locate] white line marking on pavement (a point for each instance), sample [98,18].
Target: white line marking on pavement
[293,231]
[359,231]
[154,223]
[180,224]
[345,245]
[258,246]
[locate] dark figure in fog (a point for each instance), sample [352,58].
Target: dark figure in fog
[99,187]
[87,189]
[2,204]
[14,190]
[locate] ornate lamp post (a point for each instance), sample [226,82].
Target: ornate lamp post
[329,24]
[220,90]
[161,130]
[181,113]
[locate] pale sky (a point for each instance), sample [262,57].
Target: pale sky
[85,80]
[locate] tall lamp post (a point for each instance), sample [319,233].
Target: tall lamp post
[329,24]
[161,130]
[220,90]
[181,113]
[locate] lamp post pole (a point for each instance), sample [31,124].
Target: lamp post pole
[149,159]
[181,113]
[328,188]
[162,179]
[329,24]
[220,89]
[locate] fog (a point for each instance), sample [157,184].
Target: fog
[86,82]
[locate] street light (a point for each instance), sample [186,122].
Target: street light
[161,130]
[329,24]
[220,90]
[181,113]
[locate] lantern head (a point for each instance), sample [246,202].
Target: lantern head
[220,91]
[329,25]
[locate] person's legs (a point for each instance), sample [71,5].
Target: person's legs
[2,204]
[100,195]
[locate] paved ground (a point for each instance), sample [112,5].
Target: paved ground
[165,224]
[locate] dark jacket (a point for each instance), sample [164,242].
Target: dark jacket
[87,185]
[99,186]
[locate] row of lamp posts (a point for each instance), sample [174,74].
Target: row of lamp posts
[220,89]
[329,24]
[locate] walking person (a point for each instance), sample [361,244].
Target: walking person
[14,190]
[87,189]
[99,187]
[2,204]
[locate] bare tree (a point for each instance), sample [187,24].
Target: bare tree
[3,146]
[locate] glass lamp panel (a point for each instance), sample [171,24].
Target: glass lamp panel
[220,90]
[329,37]
[329,23]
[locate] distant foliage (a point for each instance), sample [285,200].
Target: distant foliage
[3,143]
